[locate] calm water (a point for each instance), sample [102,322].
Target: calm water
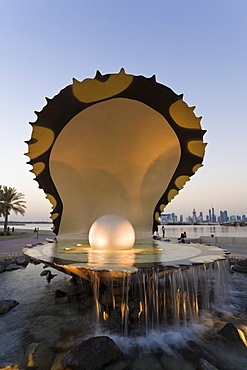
[193,231]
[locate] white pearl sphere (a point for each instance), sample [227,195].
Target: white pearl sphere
[111,232]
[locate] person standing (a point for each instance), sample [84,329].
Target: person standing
[163,231]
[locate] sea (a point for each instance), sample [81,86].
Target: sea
[193,231]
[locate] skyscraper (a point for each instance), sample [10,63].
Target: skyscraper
[194,219]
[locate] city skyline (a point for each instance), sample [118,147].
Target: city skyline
[210,217]
[195,48]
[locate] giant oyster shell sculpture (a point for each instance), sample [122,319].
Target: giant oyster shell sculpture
[117,144]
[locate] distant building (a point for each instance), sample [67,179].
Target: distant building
[213,215]
[201,217]
[194,218]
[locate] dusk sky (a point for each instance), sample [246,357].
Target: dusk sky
[198,48]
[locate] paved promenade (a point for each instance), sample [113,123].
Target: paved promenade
[14,244]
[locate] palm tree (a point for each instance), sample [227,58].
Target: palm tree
[10,200]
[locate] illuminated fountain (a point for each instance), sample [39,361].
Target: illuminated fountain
[110,154]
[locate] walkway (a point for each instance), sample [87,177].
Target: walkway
[14,244]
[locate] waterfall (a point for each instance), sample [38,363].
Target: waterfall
[156,299]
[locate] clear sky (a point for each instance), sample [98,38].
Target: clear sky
[195,47]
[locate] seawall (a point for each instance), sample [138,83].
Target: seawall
[221,241]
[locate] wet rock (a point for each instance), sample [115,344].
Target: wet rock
[5,262]
[205,365]
[12,266]
[242,263]
[134,314]
[34,261]
[44,273]
[230,332]
[23,261]
[7,304]
[50,276]
[2,268]
[240,266]
[92,354]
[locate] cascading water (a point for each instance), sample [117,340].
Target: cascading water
[154,299]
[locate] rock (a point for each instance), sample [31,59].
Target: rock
[242,263]
[5,262]
[59,293]
[134,314]
[205,365]
[34,261]
[49,276]
[230,332]
[240,266]
[7,304]
[45,272]
[22,261]
[2,268]
[92,354]
[12,266]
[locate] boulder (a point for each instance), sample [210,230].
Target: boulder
[205,365]
[242,263]
[12,266]
[230,332]
[240,266]
[7,304]
[2,268]
[22,261]
[92,354]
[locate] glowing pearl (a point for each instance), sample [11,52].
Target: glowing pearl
[111,232]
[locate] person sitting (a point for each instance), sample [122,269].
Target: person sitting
[182,238]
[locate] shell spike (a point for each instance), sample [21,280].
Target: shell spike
[122,70]
[98,74]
